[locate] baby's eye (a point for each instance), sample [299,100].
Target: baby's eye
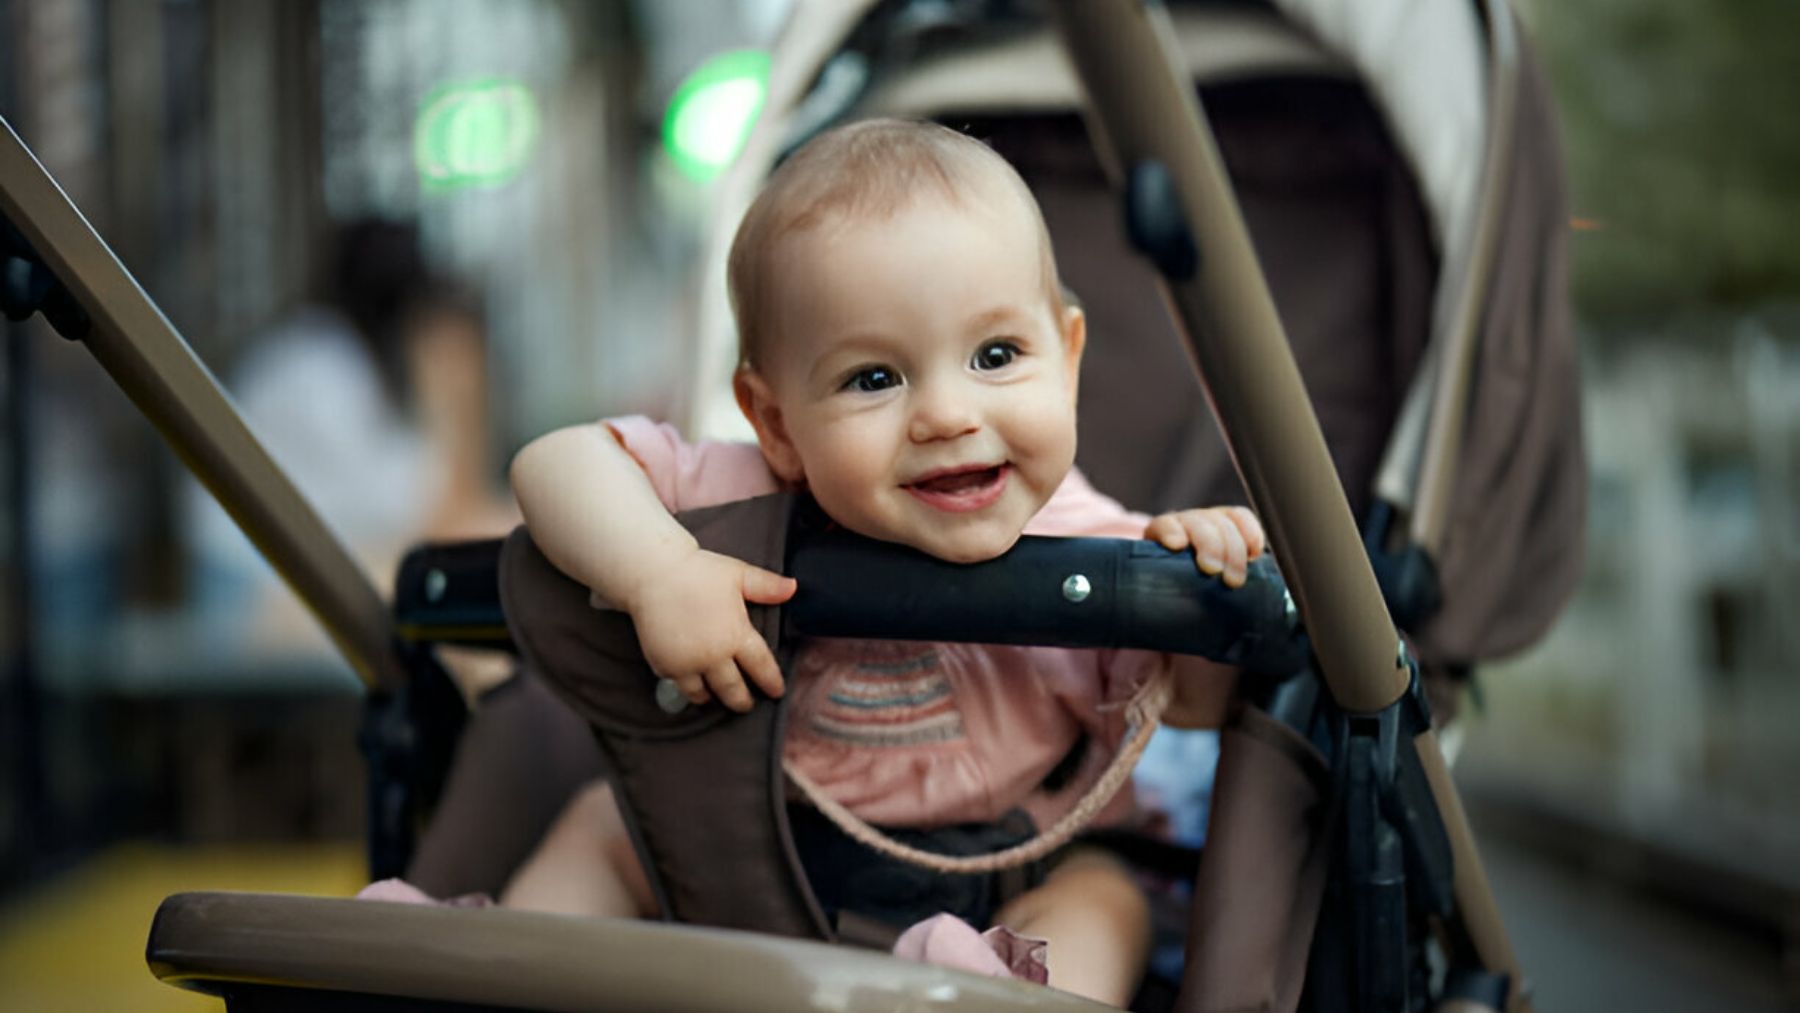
[870,379]
[994,355]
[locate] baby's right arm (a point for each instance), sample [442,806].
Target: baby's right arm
[592,512]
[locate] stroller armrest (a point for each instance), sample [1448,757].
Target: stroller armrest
[449,593]
[1129,594]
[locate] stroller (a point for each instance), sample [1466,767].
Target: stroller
[1353,829]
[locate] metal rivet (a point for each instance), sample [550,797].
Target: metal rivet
[669,698]
[1076,588]
[435,584]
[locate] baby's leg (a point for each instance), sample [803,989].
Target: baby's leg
[585,865]
[1097,922]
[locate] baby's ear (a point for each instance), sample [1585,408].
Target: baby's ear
[757,401]
[1074,335]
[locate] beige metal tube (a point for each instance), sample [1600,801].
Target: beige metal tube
[1470,269]
[1476,911]
[145,356]
[1140,108]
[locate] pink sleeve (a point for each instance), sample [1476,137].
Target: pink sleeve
[688,476]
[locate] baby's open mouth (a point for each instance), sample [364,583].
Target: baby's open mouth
[961,490]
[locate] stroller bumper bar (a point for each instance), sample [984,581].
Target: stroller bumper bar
[1053,592]
[1056,592]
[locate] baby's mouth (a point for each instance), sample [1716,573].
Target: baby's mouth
[961,490]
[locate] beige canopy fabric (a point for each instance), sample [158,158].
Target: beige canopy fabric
[1517,531]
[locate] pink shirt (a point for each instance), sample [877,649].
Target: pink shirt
[916,734]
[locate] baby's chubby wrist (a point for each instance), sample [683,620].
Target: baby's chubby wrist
[654,561]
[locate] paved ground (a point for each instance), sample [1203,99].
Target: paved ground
[1586,944]
[77,943]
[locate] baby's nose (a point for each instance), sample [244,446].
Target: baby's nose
[940,415]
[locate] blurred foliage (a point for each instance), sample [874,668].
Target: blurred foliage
[1683,144]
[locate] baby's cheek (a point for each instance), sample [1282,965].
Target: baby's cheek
[845,474]
[1048,435]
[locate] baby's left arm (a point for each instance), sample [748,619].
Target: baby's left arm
[1224,540]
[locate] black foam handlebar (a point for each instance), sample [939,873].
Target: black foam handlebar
[1054,592]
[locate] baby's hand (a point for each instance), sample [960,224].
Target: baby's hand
[1225,539]
[694,629]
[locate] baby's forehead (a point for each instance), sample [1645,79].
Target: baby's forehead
[991,203]
[806,240]
[829,294]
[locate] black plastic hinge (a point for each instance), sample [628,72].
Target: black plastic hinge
[1156,223]
[28,286]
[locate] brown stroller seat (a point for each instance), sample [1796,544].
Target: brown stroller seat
[1353,259]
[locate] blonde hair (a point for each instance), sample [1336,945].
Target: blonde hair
[868,169]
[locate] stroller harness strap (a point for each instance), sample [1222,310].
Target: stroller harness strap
[700,788]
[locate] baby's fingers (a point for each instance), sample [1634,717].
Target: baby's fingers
[1237,554]
[1166,530]
[758,664]
[728,685]
[1250,527]
[1218,546]
[693,687]
[1208,542]
[766,588]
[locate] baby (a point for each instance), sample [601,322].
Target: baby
[908,360]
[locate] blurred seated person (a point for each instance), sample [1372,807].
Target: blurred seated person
[374,403]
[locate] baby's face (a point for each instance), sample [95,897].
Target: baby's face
[917,378]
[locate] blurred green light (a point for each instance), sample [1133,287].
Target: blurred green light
[710,116]
[475,133]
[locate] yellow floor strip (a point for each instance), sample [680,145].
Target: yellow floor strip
[76,943]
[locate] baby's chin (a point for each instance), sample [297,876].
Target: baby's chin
[965,547]
[950,538]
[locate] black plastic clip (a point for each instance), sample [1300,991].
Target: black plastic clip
[27,286]
[1156,223]
[408,738]
[1406,574]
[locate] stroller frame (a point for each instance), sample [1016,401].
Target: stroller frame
[1155,144]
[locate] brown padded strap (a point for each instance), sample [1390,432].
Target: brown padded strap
[701,789]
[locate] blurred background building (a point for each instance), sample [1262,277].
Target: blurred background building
[220,147]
